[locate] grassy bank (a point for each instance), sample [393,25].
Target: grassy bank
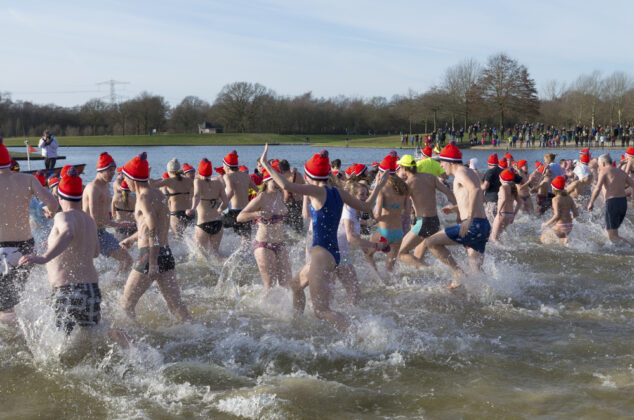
[237,139]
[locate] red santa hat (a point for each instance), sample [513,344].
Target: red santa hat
[318,167]
[64,171]
[138,169]
[53,181]
[231,160]
[205,168]
[266,175]
[40,177]
[244,169]
[584,159]
[427,151]
[503,163]
[559,183]
[374,164]
[630,152]
[521,163]
[188,168]
[451,153]
[104,162]
[124,186]
[5,158]
[165,175]
[350,169]
[388,164]
[542,168]
[70,187]
[493,160]
[585,151]
[220,170]
[359,169]
[507,175]
[508,156]
[537,164]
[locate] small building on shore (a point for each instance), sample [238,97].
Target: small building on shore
[209,128]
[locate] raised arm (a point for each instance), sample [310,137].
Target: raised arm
[282,182]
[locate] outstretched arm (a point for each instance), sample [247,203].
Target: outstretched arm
[284,183]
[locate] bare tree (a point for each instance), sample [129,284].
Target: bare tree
[460,83]
[507,86]
[240,102]
[590,87]
[616,87]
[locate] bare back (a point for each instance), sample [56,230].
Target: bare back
[179,192]
[614,182]
[210,191]
[469,195]
[237,187]
[151,210]
[96,202]
[74,264]
[16,190]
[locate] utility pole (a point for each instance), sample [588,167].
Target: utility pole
[113,83]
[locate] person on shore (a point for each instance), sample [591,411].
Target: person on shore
[237,185]
[564,209]
[16,238]
[491,185]
[292,201]
[97,204]
[48,145]
[422,189]
[507,197]
[391,203]
[326,205]
[156,262]
[72,246]
[208,201]
[473,232]
[123,203]
[613,182]
[267,209]
[178,190]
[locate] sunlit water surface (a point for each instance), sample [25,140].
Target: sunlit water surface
[546,331]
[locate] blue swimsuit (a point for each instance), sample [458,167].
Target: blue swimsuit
[326,223]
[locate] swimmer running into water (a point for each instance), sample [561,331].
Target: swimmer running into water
[563,207]
[326,205]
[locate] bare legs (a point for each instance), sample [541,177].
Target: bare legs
[125,260]
[613,235]
[138,283]
[415,242]
[208,244]
[274,267]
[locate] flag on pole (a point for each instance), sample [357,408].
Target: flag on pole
[32,149]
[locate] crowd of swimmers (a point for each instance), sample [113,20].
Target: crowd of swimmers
[389,206]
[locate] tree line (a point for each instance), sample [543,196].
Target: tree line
[499,93]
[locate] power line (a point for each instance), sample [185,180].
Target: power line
[113,83]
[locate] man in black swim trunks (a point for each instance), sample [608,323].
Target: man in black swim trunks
[16,239]
[156,262]
[614,181]
[237,186]
[422,189]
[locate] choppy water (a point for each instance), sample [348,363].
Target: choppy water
[546,332]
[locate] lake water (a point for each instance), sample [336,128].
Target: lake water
[546,332]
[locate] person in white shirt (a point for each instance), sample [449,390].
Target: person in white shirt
[48,144]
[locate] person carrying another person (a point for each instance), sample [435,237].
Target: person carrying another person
[16,238]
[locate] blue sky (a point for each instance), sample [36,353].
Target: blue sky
[56,52]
